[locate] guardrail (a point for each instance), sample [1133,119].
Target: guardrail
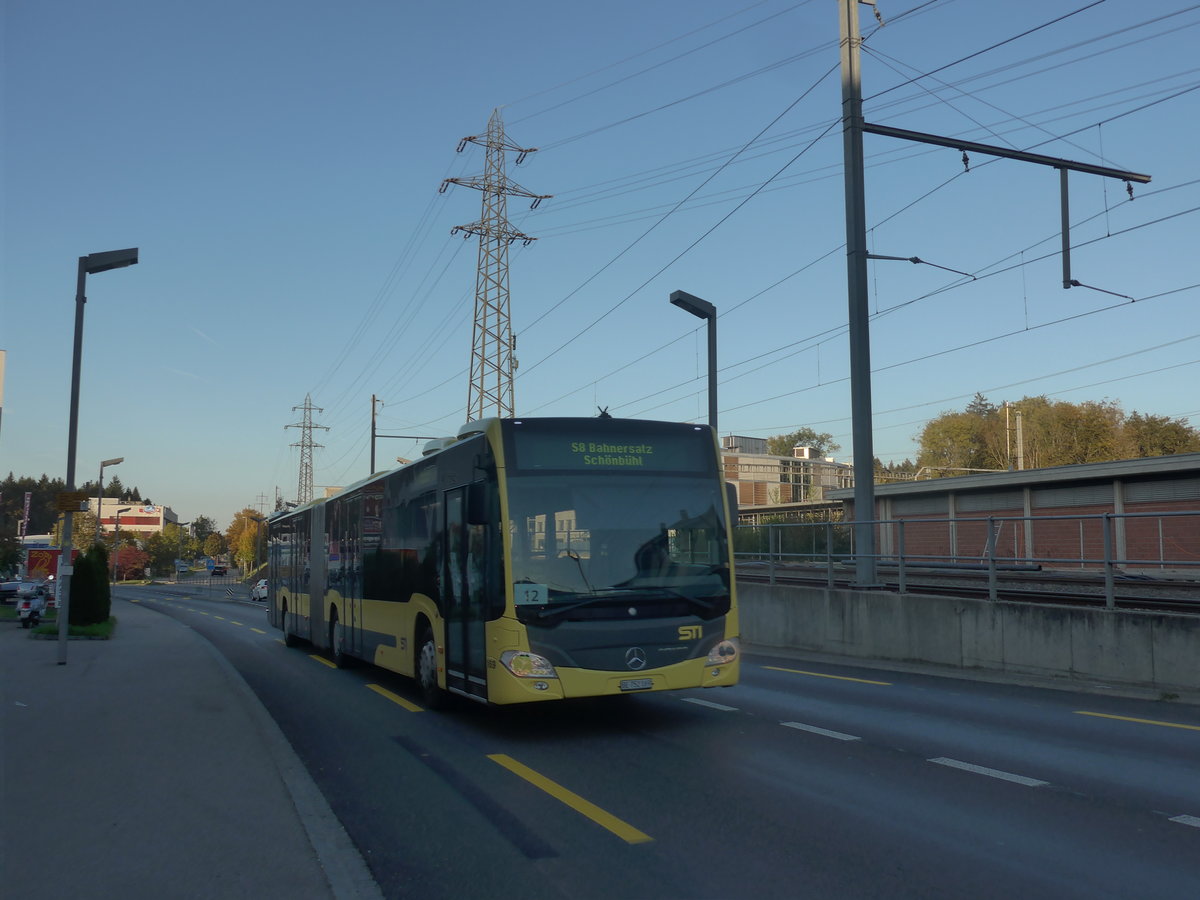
[1115,544]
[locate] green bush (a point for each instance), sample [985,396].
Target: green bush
[91,597]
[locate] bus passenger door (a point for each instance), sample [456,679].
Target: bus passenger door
[463,599]
[352,591]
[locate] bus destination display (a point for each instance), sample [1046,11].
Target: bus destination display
[679,452]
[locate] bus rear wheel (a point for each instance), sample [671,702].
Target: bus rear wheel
[427,680]
[337,642]
[289,639]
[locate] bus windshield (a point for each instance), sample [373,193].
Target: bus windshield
[656,543]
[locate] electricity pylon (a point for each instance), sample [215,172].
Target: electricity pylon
[493,344]
[304,488]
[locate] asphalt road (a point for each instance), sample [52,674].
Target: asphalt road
[806,780]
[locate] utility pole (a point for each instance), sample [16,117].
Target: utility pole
[493,344]
[853,128]
[859,309]
[304,487]
[373,401]
[1020,444]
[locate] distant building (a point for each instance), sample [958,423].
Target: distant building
[143,518]
[1055,512]
[780,483]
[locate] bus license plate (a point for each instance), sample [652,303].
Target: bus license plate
[637,684]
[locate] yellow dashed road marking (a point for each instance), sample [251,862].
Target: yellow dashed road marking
[607,820]
[395,698]
[823,675]
[1084,712]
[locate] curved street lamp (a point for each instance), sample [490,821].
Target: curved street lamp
[117,539]
[702,309]
[179,557]
[115,461]
[88,265]
[258,533]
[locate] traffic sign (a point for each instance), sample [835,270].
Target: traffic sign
[71,501]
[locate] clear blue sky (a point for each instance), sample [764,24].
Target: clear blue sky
[278,164]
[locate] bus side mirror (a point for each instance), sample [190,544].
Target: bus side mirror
[731,499]
[478,506]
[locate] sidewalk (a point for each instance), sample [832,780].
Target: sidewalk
[146,768]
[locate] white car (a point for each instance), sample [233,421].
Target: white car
[259,591]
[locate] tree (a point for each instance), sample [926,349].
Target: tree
[214,544]
[43,506]
[242,522]
[130,561]
[11,554]
[114,488]
[202,527]
[1055,433]
[83,531]
[981,406]
[952,441]
[822,444]
[247,547]
[164,547]
[91,596]
[1149,435]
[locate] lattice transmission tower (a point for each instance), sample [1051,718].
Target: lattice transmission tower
[493,345]
[304,488]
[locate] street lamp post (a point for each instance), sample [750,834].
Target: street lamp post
[100,490]
[88,265]
[179,558]
[258,532]
[702,309]
[117,539]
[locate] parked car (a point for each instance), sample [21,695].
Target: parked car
[218,570]
[259,591]
[8,590]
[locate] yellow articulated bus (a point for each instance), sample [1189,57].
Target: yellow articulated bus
[524,560]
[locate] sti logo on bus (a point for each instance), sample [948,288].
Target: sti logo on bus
[690,632]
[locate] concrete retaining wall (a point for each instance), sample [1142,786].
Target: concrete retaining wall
[1140,649]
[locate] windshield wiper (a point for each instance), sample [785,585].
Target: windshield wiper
[624,593]
[679,595]
[588,600]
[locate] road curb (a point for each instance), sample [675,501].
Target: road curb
[347,872]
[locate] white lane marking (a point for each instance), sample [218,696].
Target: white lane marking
[710,704]
[836,735]
[991,773]
[1187,820]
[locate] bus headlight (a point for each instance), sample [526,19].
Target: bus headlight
[524,664]
[723,653]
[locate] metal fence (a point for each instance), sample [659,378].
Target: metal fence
[1116,544]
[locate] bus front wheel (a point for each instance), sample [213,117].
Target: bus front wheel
[427,679]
